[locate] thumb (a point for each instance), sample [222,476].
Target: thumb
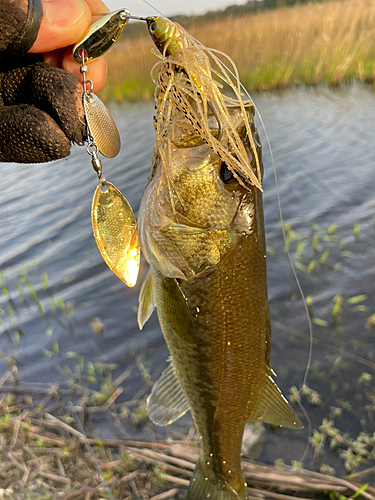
[64,23]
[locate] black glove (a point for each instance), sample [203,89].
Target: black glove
[41,110]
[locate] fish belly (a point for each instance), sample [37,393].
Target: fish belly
[217,330]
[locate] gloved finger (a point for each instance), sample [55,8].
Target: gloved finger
[30,135]
[60,95]
[52,90]
[96,71]
[64,23]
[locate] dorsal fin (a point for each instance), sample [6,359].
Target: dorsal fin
[274,409]
[146,300]
[167,402]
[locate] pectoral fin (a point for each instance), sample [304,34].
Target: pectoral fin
[166,402]
[146,300]
[274,408]
[173,308]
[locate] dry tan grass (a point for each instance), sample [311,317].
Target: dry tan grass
[44,458]
[329,42]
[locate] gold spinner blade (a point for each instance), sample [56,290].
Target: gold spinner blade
[102,126]
[101,35]
[115,232]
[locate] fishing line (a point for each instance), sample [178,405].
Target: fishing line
[150,5]
[310,327]
[309,323]
[219,62]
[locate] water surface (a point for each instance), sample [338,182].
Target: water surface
[324,150]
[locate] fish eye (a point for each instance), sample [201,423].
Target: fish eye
[152,27]
[227,176]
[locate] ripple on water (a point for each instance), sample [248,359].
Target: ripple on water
[324,153]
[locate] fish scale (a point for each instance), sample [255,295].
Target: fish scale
[201,230]
[208,376]
[214,314]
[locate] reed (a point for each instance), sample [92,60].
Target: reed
[331,43]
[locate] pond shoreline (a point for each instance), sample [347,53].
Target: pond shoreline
[56,459]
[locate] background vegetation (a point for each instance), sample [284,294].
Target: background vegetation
[316,43]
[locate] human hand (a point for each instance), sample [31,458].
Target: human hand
[41,109]
[64,24]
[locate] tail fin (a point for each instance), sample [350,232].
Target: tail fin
[203,488]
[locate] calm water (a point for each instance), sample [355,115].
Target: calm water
[324,149]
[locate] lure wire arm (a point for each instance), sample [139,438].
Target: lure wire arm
[127,15]
[92,148]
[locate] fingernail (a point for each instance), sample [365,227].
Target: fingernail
[63,12]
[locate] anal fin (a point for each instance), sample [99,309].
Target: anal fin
[167,402]
[274,408]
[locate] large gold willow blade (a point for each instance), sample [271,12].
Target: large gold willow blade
[115,231]
[102,127]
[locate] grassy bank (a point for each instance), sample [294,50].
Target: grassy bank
[45,458]
[317,43]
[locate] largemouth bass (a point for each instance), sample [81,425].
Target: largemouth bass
[201,230]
